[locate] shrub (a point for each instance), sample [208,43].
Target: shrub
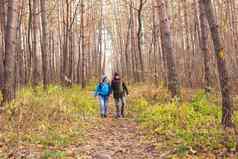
[194,125]
[54,117]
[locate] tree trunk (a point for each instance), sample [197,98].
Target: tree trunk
[227,103]
[10,52]
[36,72]
[79,62]
[100,39]
[45,59]
[166,39]
[204,45]
[1,67]
[128,67]
[139,35]
[2,32]
[83,74]
[133,43]
[65,45]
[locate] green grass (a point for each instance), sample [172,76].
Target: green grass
[185,125]
[56,117]
[60,117]
[53,154]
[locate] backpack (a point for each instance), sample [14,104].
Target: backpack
[118,89]
[104,89]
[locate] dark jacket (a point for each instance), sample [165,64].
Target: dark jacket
[119,88]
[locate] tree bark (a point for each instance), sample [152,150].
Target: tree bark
[128,67]
[10,52]
[44,48]
[2,32]
[83,66]
[133,43]
[227,103]
[139,35]
[204,45]
[36,72]
[166,39]
[100,39]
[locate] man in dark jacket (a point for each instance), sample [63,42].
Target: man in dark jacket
[120,91]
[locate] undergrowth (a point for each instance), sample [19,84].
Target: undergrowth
[56,117]
[188,127]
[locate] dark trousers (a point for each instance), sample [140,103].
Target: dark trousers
[120,106]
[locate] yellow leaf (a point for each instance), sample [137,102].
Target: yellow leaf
[221,54]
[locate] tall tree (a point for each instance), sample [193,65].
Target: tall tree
[167,48]
[66,42]
[204,44]
[44,47]
[36,72]
[227,102]
[10,52]
[83,66]
[133,43]
[2,32]
[128,66]
[100,39]
[139,35]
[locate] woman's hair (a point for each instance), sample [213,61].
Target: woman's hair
[104,77]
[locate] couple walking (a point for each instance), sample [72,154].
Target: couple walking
[119,90]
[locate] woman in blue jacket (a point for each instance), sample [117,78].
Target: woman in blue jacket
[103,91]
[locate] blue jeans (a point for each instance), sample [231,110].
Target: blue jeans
[103,104]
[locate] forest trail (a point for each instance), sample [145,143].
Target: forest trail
[179,59]
[116,139]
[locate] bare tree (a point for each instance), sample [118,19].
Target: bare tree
[44,48]
[204,44]
[2,32]
[166,39]
[83,66]
[10,52]
[139,35]
[221,63]
[36,72]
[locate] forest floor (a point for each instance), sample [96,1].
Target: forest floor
[102,138]
[105,139]
[117,139]
[64,123]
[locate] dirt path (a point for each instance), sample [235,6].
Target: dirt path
[108,138]
[116,139]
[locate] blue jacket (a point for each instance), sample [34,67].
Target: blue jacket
[103,89]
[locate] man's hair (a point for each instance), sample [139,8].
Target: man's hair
[116,74]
